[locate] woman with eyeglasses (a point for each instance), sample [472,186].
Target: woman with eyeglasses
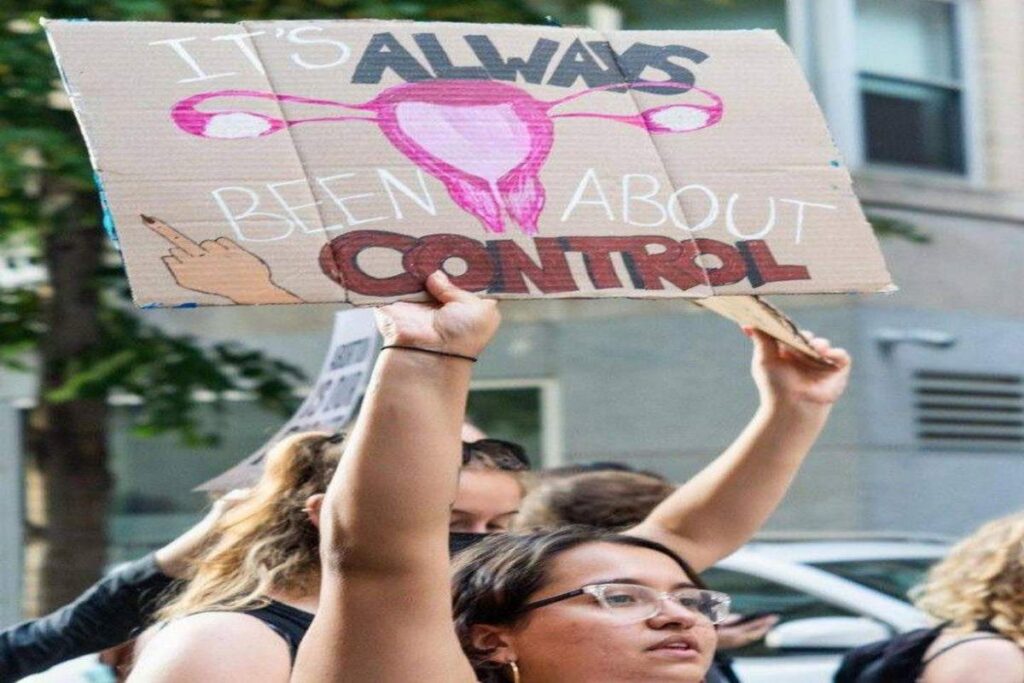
[581,604]
[569,606]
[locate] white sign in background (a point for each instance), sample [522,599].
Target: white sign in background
[332,400]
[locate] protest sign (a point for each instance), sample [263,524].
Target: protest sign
[331,402]
[343,161]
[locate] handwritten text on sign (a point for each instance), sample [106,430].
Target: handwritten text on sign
[525,161]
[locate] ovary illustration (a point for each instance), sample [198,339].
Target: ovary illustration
[485,140]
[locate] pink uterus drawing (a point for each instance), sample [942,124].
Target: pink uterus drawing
[485,140]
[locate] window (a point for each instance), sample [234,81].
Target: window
[910,81]
[510,414]
[895,578]
[751,594]
[524,411]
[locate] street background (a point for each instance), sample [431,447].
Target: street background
[109,417]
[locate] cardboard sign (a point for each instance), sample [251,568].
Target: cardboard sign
[343,161]
[330,404]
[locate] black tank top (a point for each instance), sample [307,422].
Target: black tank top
[286,621]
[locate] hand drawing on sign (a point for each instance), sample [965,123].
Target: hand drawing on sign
[485,140]
[219,267]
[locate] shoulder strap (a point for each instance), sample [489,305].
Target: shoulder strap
[290,623]
[947,648]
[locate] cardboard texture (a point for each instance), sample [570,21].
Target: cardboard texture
[343,161]
[756,312]
[332,401]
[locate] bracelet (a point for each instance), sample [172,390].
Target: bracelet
[433,351]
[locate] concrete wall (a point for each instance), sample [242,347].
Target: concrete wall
[903,485]
[10,516]
[1000,54]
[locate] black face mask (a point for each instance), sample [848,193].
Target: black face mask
[460,540]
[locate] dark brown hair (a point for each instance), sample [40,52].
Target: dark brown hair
[608,499]
[495,454]
[494,579]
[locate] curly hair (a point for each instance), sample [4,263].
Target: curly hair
[493,580]
[981,581]
[267,542]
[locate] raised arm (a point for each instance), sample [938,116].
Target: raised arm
[123,602]
[717,511]
[385,603]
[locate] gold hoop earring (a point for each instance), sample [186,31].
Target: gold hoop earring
[514,668]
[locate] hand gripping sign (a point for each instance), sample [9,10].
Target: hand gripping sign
[333,161]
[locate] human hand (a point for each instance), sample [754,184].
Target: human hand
[174,559]
[221,506]
[784,375]
[219,267]
[735,633]
[457,322]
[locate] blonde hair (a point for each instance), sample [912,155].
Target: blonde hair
[981,580]
[267,541]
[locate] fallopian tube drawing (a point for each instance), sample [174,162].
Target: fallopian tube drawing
[219,267]
[485,140]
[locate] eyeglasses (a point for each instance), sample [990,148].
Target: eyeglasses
[505,455]
[630,603]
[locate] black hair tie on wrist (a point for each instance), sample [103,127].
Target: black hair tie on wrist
[432,351]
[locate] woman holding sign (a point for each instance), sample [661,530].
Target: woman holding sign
[564,606]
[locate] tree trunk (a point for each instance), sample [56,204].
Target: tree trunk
[69,485]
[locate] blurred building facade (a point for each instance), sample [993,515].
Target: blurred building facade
[925,99]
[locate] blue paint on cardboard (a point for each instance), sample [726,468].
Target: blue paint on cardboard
[108,218]
[187,304]
[835,163]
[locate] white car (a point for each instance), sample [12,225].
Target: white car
[831,593]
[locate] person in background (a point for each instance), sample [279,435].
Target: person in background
[720,508]
[491,486]
[126,600]
[978,592]
[976,595]
[378,496]
[251,594]
[265,565]
[610,498]
[618,499]
[112,611]
[571,605]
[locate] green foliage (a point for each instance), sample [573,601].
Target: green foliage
[897,229]
[20,326]
[165,371]
[44,170]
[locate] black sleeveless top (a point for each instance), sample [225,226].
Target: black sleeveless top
[286,621]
